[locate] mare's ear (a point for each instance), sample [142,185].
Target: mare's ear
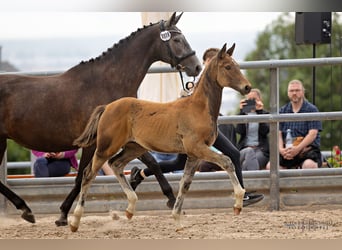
[222,52]
[231,50]
[174,19]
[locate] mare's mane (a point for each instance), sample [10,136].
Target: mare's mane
[119,45]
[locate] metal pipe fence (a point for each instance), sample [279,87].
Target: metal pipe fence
[273,118]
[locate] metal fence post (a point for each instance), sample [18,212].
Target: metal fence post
[3,179]
[274,151]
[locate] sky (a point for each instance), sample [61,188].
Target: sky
[36,25]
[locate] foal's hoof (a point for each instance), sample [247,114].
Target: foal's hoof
[28,216]
[237,210]
[73,228]
[129,215]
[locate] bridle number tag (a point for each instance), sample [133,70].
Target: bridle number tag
[165,35]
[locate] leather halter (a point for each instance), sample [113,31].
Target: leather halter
[176,60]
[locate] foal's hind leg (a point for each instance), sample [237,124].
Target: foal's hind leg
[118,163]
[85,162]
[89,176]
[184,185]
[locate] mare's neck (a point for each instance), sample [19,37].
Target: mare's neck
[124,66]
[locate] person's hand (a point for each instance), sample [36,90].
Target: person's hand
[243,103]
[57,155]
[259,105]
[289,153]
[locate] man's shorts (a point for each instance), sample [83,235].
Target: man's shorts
[313,153]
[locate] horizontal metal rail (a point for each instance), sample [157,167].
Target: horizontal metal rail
[262,64]
[273,118]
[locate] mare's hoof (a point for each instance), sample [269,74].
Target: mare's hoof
[73,228]
[171,203]
[179,229]
[237,210]
[129,215]
[61,222]
[28,216]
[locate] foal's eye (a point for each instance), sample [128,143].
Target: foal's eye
[228,67]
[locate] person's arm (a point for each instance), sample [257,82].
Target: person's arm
[70,153]
[308,140]
[38,153]
[281,144]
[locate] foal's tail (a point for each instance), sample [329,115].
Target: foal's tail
[88,136]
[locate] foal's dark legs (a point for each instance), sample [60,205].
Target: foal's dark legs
[86,157]
[18,202]
[152,164]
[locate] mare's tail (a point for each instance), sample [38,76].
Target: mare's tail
[88,136]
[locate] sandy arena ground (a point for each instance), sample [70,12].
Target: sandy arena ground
[253,223]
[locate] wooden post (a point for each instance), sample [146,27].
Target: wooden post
[3,179]
[274,151]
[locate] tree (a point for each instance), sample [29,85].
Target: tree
[277,41]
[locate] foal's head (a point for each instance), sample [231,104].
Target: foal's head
[228,71]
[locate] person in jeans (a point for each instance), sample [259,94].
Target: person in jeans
[253,143]
[305,151]
[54,164]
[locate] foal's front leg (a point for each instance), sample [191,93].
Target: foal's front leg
[184,185]
[226,164]
[238,190]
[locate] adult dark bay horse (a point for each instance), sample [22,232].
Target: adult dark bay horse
[136,126]
[49,113]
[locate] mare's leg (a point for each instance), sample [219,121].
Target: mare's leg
[152,164]
[18,202]
[87,154]
[89,176]
[184,185]
[118,162]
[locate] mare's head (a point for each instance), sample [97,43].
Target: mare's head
[177,49]
[228,71]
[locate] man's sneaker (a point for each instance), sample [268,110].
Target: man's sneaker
[135,178]
[251,198]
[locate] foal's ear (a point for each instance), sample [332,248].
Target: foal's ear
[231,50]
[174,19]
[222,52]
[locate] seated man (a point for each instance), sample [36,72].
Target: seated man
[305,150]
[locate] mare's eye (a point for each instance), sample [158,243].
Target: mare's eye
[177,40]
[228,67]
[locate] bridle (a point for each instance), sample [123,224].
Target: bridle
[165,35]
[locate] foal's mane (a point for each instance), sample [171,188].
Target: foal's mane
[119,45]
